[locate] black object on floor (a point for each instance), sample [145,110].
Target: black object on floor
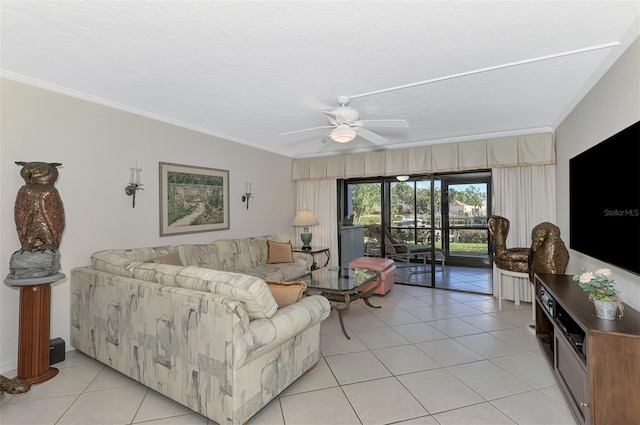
[56,353]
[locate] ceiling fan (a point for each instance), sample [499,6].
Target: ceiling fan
[345,125]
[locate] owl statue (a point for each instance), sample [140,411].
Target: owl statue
[38,210]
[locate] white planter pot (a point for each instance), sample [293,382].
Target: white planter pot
[606,309]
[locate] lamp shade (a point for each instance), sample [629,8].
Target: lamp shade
[305,218]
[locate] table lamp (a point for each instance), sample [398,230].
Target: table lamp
[304,219]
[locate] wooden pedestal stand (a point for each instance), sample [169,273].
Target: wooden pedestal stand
[34,328]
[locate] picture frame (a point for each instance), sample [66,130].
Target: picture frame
[193,199]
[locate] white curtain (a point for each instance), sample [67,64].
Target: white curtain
[321,197]
[527,197]
[513,151]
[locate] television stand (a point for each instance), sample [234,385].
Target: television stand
[596,362]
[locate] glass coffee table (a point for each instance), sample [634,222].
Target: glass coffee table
[342,285]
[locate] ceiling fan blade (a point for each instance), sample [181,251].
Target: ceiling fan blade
[382,123]
[327,137]
[335,118]
[372,137]
[330,114]
[306,129]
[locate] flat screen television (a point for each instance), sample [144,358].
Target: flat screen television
[604,184]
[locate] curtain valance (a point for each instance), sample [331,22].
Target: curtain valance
[515,151]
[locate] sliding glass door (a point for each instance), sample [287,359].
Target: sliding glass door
[412,218]
[363,206]
[465,210]
[447,211]
[404,210]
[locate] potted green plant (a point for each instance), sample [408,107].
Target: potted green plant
[602,291]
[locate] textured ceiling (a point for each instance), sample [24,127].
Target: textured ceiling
[249,71]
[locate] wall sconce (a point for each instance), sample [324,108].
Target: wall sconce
[247,193]
[134,183]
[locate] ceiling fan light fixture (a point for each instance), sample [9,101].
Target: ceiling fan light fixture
[343,134]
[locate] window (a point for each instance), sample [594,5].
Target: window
[447,210]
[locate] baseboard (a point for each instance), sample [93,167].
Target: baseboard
[12,365]
[9,366]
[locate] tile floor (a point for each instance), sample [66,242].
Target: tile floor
[428,356]
[469,279]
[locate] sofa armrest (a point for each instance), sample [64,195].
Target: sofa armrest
[251,291]
[263,335]
[303,259]
[121,261]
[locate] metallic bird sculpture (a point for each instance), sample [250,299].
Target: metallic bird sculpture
[513,259]
[548,252]
[39,213]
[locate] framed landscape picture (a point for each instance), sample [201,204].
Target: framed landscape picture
[193,199]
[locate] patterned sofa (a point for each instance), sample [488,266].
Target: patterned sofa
[212,340]
[247,256]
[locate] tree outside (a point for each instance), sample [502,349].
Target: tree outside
[411,222]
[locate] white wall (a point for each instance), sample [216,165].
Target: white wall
[612,105]
[97,145]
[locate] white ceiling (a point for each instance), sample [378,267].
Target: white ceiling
[249,71]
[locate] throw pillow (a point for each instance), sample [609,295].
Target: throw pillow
[279,252]
[172,259]
[286,293]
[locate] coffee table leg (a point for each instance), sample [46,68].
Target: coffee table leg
[346,299]
[368,294]
[344,331]
[366,301]
[347,302]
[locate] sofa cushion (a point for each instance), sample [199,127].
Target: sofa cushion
[258,248]
[172,259]
[279,252]
[250,291]
[286,293]
[258,252]
[278,272]
[164,274]
[204,255]
[234,254]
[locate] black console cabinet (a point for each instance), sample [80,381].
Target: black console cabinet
[596,362]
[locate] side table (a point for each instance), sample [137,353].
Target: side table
[34,328]
[325,251]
